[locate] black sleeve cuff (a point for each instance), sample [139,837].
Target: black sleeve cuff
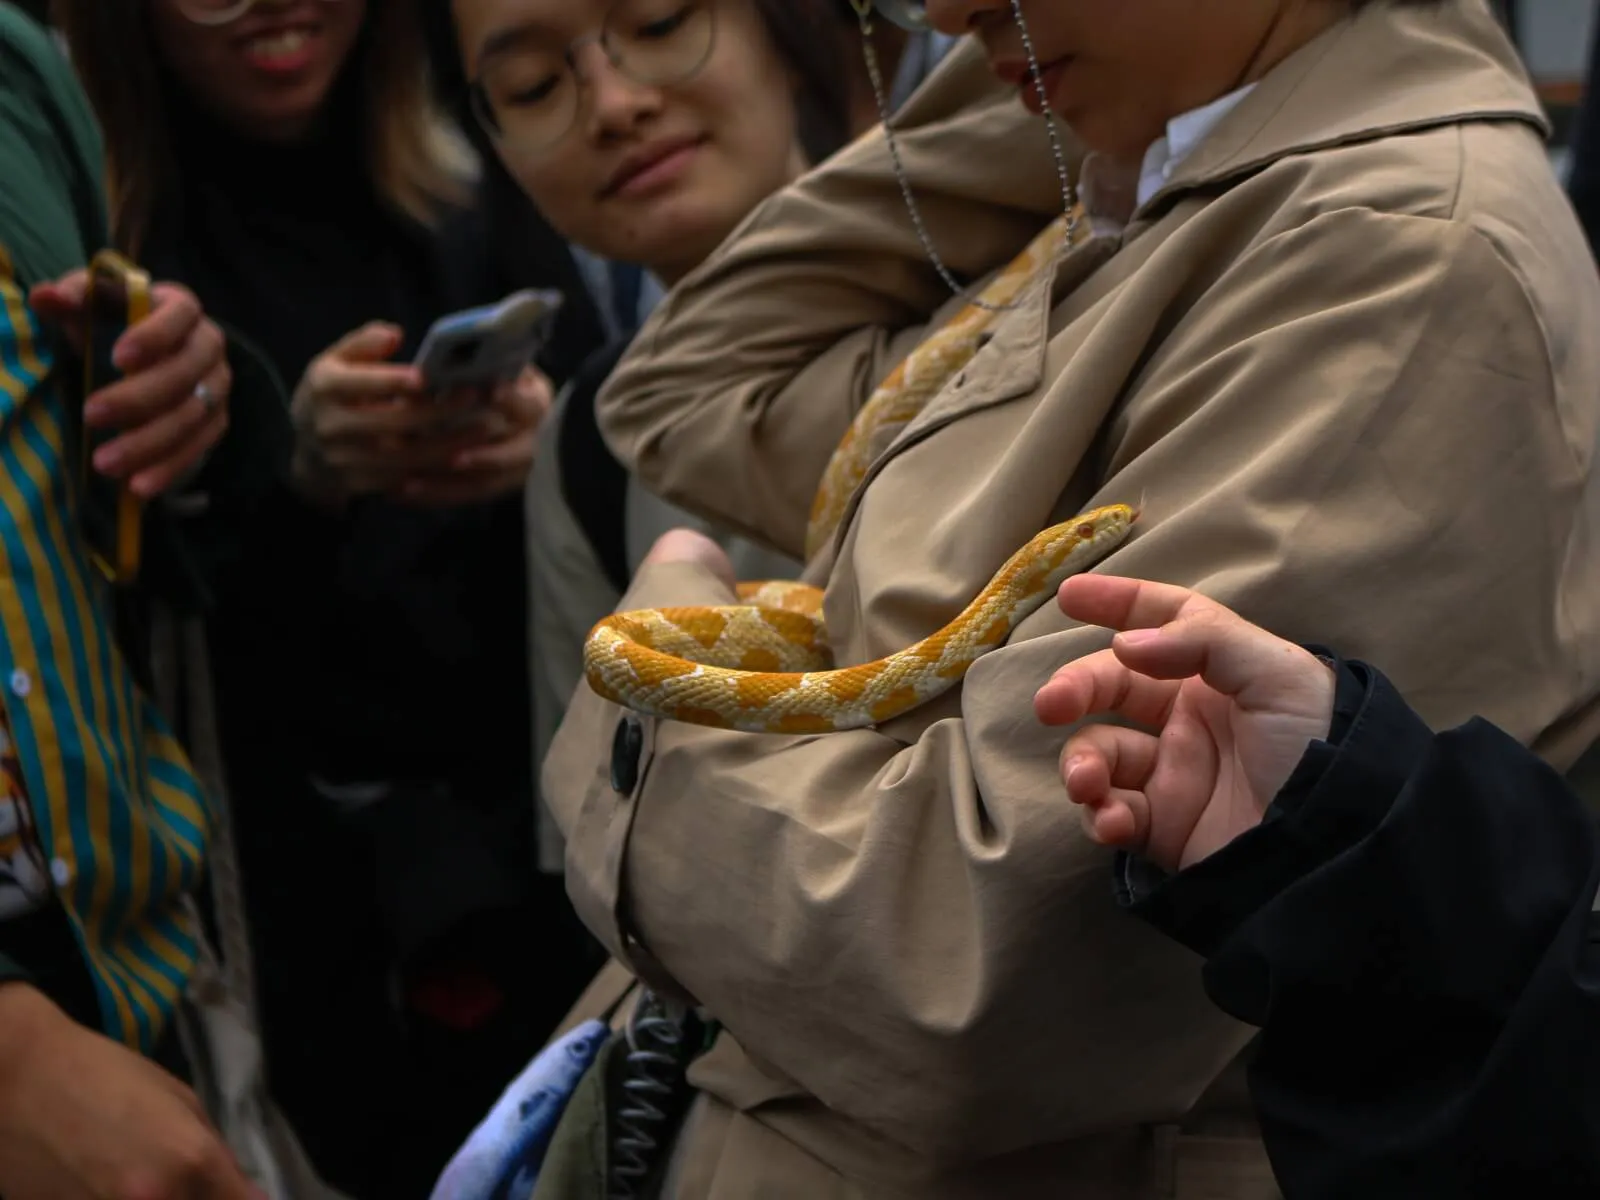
[12,971]
[1338,794]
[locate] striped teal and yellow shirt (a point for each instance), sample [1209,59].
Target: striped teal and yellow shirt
[118,813]
[118,822]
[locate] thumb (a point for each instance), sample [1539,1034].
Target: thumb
[1229,654]
[373,342]
[60,299]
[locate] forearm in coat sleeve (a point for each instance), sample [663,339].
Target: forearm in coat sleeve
[1372,454]
[739,387]
[898,928]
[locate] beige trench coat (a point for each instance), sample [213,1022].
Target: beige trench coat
[569,589]
[1348,360]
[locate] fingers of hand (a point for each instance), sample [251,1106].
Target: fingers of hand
[512,454]
[1116,602]
[1099,684]
[481,472]
[154,454]
[373,342]
[526,399]
[184,454]
[331,384]
[1229,654]
[393,425]
[355,370]
[1174,633]
[1106,769]
[175,314]
[193,1164]
[163,384]
[60,299]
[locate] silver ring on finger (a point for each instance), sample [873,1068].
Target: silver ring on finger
[208,398]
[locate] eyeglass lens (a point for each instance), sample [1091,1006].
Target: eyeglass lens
[528,93]
[220,12]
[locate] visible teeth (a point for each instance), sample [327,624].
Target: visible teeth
[278,45]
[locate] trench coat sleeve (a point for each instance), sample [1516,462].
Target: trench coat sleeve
[832,285]
[1412,926]
[915,930]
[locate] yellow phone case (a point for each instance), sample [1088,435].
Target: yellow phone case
[120,562]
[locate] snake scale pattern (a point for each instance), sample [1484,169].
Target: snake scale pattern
[764,665]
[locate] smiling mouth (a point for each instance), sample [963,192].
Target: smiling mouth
[639,174]
[280,49]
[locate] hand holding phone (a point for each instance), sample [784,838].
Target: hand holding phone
[495,459]
[482,347]
[162,385]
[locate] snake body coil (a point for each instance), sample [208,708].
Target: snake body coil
[767,669]
[764,666]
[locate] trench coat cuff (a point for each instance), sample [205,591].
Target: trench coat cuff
[596,777]
[1339,793]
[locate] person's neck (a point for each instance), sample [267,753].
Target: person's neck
[1298,23]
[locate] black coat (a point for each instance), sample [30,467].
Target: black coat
[1412,929]
[1584,184]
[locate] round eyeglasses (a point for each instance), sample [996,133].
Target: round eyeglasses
[220,12]
[526,93]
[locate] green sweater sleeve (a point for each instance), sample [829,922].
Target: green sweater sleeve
[52,196]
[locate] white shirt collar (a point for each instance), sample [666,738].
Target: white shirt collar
[1105,190]
[1184,135]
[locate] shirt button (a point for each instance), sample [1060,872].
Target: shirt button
[21,683]
[626,746]
[61,872]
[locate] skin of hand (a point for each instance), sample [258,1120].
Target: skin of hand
[689,545]
[84,1118]
[368,425]
[504,427]
[1222,712]
[166,429]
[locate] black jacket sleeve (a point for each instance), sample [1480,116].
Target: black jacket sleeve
[1411,927]
[1584,183]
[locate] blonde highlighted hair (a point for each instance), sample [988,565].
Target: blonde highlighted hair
[420,162]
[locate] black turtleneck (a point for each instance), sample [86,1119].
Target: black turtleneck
[387,643]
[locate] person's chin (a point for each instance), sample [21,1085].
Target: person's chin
[677,246]
[281,118]
[679,223]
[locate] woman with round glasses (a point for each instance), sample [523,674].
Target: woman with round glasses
[285,160]
[645,131]
[1292,276]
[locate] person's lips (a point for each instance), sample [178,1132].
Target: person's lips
[652,165]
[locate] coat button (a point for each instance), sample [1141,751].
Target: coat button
[626,746]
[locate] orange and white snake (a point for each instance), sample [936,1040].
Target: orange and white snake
[764,665]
